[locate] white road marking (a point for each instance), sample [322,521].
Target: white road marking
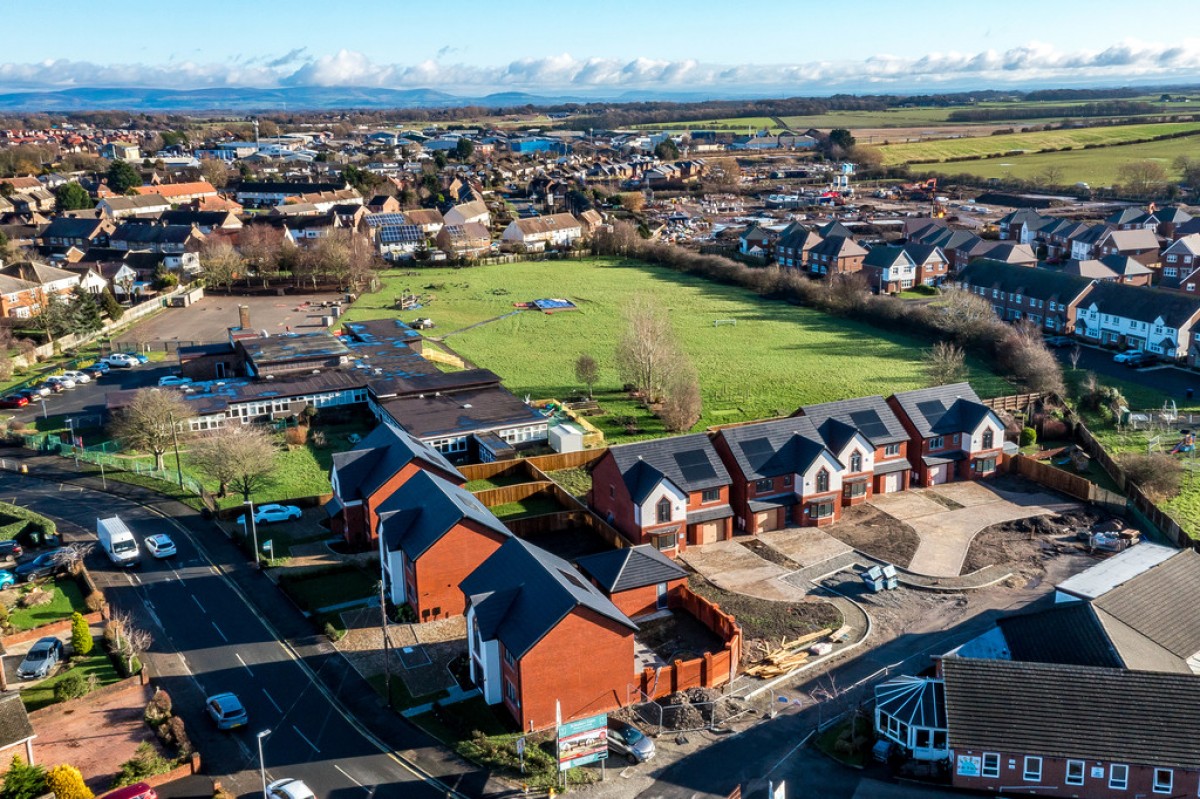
[346,774]
[272,700]
[197,601]
[136,578]
[244,666]
[303,738]
[153,615]
[218,629]
[187,669]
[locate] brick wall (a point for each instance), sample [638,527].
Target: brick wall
[1053,781]
[709,671]
[53,628]
[440,569]
[640,601]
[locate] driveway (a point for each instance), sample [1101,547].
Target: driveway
[947,518]
[729,565]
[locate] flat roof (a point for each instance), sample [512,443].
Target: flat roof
[461,412]
[1117,570]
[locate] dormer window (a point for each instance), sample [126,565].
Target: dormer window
[823,480]
[856,461]
[663,511]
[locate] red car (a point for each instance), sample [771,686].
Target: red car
[139,791]
[14,401]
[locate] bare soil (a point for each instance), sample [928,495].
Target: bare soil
[876,533]
[1026,544]
[768,553]
[679,636]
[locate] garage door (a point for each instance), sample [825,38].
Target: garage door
[766,521]
[939,474]
[708,532]
[891,483]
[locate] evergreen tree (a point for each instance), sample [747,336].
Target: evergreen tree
[72,197]
[23,781]
[81,636]
[84,312]
[122,177]
[108,303]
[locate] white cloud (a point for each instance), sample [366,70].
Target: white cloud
[1035,62]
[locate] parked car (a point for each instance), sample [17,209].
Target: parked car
[79,377]
[289,789]
[39,389]
[265,514]
[7,579]
[137,356]
[60,380]
[46,564]
[626,739]
[121,360]
[1122,357]
[160,545]
[41,659]
[174,380]
[14,401]
[100,366]
[140,790]
[10,550]
[1139,359]
[1058,342]
[226,711]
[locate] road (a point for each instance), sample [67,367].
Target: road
[209,639]
[1171,383]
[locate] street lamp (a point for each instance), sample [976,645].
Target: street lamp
[262,769]
[253,527]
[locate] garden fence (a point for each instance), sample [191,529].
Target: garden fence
[100,455]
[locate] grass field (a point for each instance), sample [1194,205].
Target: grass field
[776,358]
[1095,167]
[981,146]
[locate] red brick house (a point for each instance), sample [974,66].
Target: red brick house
[670,492]
[836,255]
[879,467]
[432,534]
[539,633]
[952,435]
[1049,298]
[364,477]
[793,245]
[639,580]
[933,267]
[1139,244]
[1180,260]
[889,269]
[782,475]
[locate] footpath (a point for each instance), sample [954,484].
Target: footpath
[288,624]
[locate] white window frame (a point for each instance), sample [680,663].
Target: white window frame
[1113,782]
[991,765]
[1160,787]
[1026,770]
[1075,779]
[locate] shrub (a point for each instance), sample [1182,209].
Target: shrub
[1156,473]
[173,733]
[1028,436]
[65,782]
[158,709]
[81,635]
[333,633]
[23,781]
[146,762]
[35,597]
[296,436]
[72,686]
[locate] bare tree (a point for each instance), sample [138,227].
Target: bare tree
[1028,359]
[151,421]
[682,405]
[241,456]
[945,363]
[1142,177]
[262,247]
[647,349]
[127,638]
[220,263]
[215,172]
[1075,355]
[587,371]
[1051,175]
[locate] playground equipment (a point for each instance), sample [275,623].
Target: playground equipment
[1186,444]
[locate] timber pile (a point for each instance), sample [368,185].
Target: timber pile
[786,657]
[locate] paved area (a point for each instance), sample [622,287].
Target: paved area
[729,565]
[421,652]
[807,546]
[209,319]
[947,528]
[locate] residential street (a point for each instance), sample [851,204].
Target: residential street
[210,616]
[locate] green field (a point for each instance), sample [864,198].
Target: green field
[1096,167]
[776,358]
[981,146]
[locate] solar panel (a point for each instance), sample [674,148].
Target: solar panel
[869,424]
[401,234]
[695,466]
[758,451]
[379,220]
[933,410]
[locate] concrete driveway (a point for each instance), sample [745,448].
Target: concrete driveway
[947,527]
[729,565]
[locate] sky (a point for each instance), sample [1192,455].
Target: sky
[699,46]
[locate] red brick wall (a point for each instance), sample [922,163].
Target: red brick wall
[638,601]
[1054,783]
[739,489]
[609,495]
[708,671]
[585,662]
[447,563]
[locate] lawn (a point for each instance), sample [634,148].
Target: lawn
[980,146]
[97,664]
[497,481]
[66,599]
[536,505]
[325,588]
[776,358]
[1096,167]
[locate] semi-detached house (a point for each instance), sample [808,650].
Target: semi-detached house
[1141,318]
[844,425]
[952,435]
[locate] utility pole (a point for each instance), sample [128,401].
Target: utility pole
[175,438]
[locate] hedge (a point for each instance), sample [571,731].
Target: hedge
[24,521]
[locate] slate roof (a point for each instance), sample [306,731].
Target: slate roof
[522,592]
[887,256]
[35,272]
[1027,216]
[1006,251]
[209,219]
[139,233]
[630,567]
[834,229]
[66,227]
[1124,216]
[1042,284]
[460,412]
[838,247]
[1142,303]
[424,509]
[776,447]
[925,253]
[689,462]
[14,721]
[378,457]
[871,416]
[949,239]
[1123,265]
[952,408]
[796,236]
[1082,712]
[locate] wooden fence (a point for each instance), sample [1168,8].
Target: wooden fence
[1013,402]
[1070,484]
[492,497]
[541,463]
[710,670]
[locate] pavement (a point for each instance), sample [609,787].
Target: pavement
[219,625]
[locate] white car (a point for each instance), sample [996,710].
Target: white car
[265,514]
[289,789]
[61,380]
[174,380]
[122,361]
[160,546]
[79,377]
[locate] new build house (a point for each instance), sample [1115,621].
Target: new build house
[1046,297]
[952,435]
[844,425]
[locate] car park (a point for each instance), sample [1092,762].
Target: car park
[61,380]
[39,390]
[98,368]
[173,380]
[41,659]
[226,711]
[289,789]
[121,360]
[14,401]
[160,545]
[51,388]
[46,564]
[627,740]
[266,514]
[78,376]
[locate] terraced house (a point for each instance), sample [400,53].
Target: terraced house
[1045,297]
[952,435]
[1134,317]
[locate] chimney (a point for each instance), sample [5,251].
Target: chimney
[244,317]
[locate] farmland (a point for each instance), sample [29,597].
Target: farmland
[774,359]
[1097,167]
[982,146]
